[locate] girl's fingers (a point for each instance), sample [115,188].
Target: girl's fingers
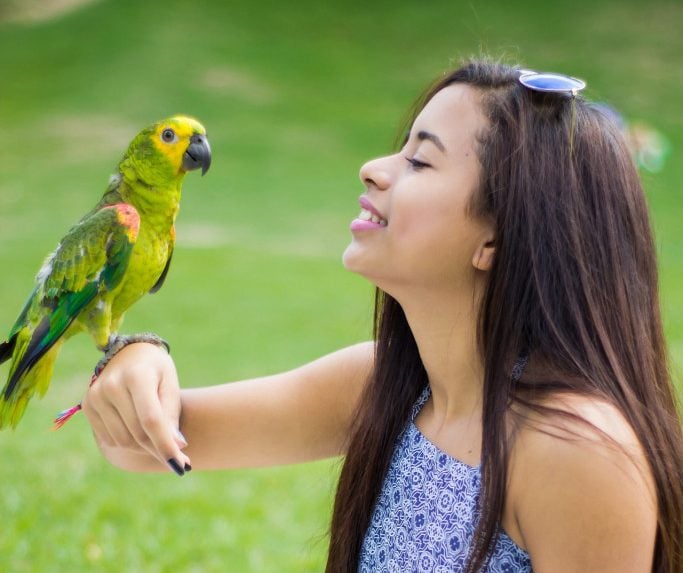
[106,411]
[97,424]
[160,427]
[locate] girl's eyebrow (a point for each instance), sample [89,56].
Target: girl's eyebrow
[427,136]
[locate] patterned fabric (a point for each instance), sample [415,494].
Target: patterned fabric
[426,513]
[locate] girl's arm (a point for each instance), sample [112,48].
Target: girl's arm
[136,406]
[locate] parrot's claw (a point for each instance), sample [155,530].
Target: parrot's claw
[119,342]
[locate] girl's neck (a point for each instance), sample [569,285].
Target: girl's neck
[445,329]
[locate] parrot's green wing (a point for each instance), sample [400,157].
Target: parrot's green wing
[96,251]
[90,260]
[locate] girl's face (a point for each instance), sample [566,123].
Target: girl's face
[414,229]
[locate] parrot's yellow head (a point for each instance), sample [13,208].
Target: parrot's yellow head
[162,153]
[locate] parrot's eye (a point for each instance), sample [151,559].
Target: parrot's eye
[168,135]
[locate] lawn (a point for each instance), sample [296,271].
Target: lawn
[295,97]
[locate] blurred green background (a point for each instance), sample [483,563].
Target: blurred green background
[295,95]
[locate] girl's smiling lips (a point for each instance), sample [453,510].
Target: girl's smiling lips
[369,217]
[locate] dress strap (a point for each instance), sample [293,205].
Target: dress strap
[516,373]
[426,393]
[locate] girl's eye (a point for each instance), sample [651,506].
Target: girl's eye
[416,164]
[168,135]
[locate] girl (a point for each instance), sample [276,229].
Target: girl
[514,411]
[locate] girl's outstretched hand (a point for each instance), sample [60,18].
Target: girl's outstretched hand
[134,410]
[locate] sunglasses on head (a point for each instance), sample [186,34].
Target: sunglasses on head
[549,82]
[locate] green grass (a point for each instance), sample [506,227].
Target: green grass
[295,96]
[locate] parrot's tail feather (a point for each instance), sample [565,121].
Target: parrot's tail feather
[63,417]
[12,411]
[7,349]
[29,352]
[37,379]
[46,335]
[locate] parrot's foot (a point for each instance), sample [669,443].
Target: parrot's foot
[115,345]
[119,342]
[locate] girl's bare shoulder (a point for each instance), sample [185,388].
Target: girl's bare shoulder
[580,487]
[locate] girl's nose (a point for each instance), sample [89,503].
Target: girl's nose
[375,174]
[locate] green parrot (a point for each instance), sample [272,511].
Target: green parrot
[114,255]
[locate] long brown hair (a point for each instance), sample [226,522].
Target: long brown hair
[573,286]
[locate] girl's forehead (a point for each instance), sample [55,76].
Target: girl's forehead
[454,114]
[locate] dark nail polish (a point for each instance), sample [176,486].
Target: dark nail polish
[188,468]
[175,466]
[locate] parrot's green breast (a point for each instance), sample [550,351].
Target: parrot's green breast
[148,261]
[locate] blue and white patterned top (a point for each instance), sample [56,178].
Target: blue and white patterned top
[426,513]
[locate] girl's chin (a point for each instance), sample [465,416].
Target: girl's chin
[349,259]
[352,258]
[354,261]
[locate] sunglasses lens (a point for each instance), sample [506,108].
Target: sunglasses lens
[551,83]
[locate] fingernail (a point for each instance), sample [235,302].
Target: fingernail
[188,467]
[179,436]
[175,466]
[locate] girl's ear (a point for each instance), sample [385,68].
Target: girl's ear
[484,254]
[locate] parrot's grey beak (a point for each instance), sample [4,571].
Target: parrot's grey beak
[198,154]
